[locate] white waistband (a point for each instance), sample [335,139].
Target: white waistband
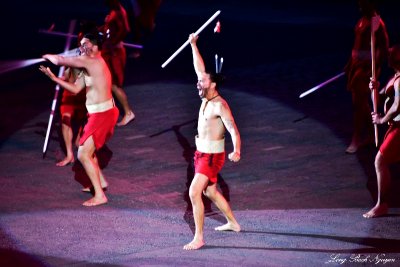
[100,107]
[210,146]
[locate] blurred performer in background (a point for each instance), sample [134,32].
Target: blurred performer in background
[72,107]
[142,16]
[115,30]
[358,72]
[73,113]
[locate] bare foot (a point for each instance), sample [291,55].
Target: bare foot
[354,146]
[126,119]
[351,149]
[378,210]
[95,201]
[228,227]
[65,161]
[195,244]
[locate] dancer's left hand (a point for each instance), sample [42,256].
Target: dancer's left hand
[234,156]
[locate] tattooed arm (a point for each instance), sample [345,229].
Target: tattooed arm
[230,125]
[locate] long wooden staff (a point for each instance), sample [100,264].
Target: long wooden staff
[375,22]
[334,78]
[57,89]
[187,41]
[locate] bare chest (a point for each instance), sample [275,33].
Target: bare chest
[210,125]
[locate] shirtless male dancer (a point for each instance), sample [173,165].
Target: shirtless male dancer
[214,117]
[102,112]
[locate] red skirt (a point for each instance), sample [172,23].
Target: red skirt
[390,148]
[101,126]
[209,164]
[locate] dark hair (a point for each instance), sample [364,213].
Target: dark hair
[216,78]
[95,38]
[86,26]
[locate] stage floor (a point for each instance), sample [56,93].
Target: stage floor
[298,196]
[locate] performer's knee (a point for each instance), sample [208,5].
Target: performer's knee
[83,156]
[380,161]
[194,193]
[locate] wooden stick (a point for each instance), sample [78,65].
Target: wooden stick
[187,41]
[375,22]
[321,85]
[57,89]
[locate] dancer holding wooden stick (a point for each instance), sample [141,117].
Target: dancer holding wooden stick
[57,90]
[359,72]
[389,151]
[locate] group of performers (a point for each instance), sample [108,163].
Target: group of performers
[215,118]
[72,108]
[98,73]
[363,70]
